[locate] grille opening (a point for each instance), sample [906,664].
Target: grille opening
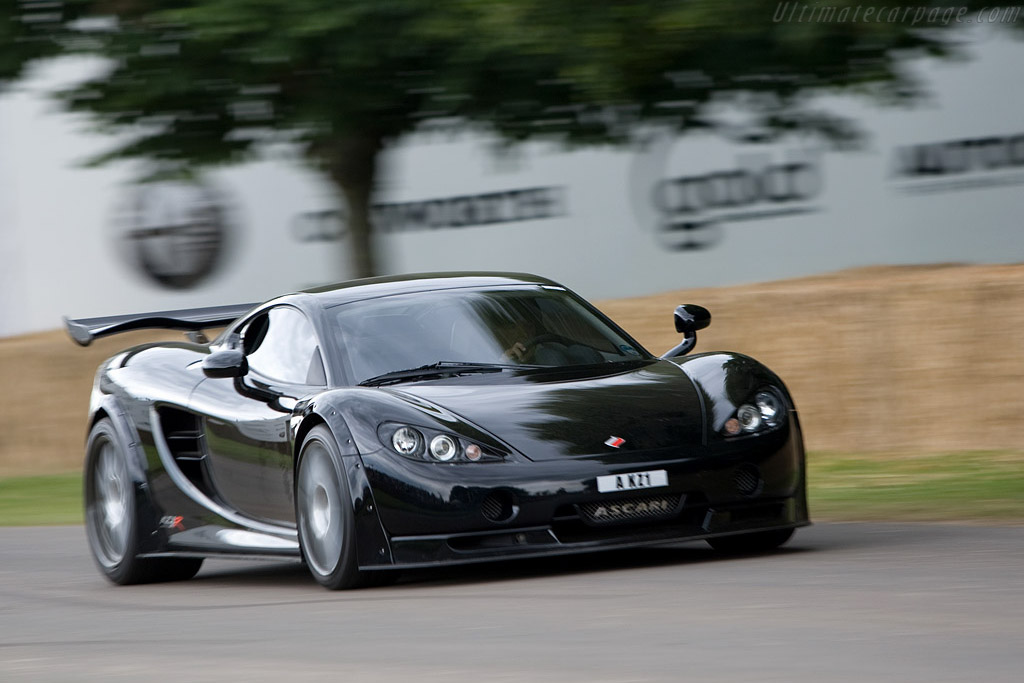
[580,531]
[524,540]
[748,481]
[499,506]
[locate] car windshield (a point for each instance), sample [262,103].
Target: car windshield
[507,326]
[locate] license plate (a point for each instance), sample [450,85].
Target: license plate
[631,481]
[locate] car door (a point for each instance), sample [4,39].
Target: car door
[246,421]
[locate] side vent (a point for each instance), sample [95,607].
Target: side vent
[184,434]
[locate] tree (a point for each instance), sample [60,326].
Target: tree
[196,83]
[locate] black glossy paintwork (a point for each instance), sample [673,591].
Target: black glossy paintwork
[249,445]
[553,415]
[549,425]
[374,287]
[424,497]
[726,381]
[225,363]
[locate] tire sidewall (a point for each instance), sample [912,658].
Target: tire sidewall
[123,570]
[346,572]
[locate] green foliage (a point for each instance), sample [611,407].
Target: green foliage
[30,30]
[207,81]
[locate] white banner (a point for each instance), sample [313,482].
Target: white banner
[939,182]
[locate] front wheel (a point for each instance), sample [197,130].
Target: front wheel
[756,542]
[111,516]
[323,509]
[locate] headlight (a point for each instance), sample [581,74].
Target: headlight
[443,447]
[406,441]
[766,411]
[421,443]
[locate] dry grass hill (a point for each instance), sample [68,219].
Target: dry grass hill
[894,359]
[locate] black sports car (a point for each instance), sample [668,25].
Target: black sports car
[405,422]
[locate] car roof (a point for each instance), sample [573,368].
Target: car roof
[374,287]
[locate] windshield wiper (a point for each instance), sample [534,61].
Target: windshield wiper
[438,369]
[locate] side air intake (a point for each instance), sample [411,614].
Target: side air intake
[184,435]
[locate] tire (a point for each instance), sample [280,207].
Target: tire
[111,516]
[756,542]
[323,510]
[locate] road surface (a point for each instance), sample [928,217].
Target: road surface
[842,602]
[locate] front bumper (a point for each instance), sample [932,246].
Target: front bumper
[435,514]
[560,539]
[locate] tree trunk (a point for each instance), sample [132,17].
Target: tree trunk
[352,165]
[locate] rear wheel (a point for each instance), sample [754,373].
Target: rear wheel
[111,516]
[324,514]
[756,542]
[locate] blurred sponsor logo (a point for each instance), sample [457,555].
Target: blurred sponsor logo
[492,208]
[967,163]
[175,233]
[693,208]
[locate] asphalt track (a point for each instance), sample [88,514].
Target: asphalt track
[843,602]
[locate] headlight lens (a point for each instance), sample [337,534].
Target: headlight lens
[406,441]
[749,417]
[769,406]
[766,411]
[442,447]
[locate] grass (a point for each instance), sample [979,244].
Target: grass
[972,486]
[980,486]
[48,499]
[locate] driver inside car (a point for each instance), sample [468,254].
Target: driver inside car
[524,347]
[532,343]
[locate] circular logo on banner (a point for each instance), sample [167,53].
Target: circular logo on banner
[175,233]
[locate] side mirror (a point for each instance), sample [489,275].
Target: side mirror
[691,317]
[226,363]
[688,318]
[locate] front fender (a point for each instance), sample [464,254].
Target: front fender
[726,380]
[373,550]
[353,415]
[147,514]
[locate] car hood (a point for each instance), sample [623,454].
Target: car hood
[552,415]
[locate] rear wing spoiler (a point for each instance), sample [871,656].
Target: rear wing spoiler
[84,330]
